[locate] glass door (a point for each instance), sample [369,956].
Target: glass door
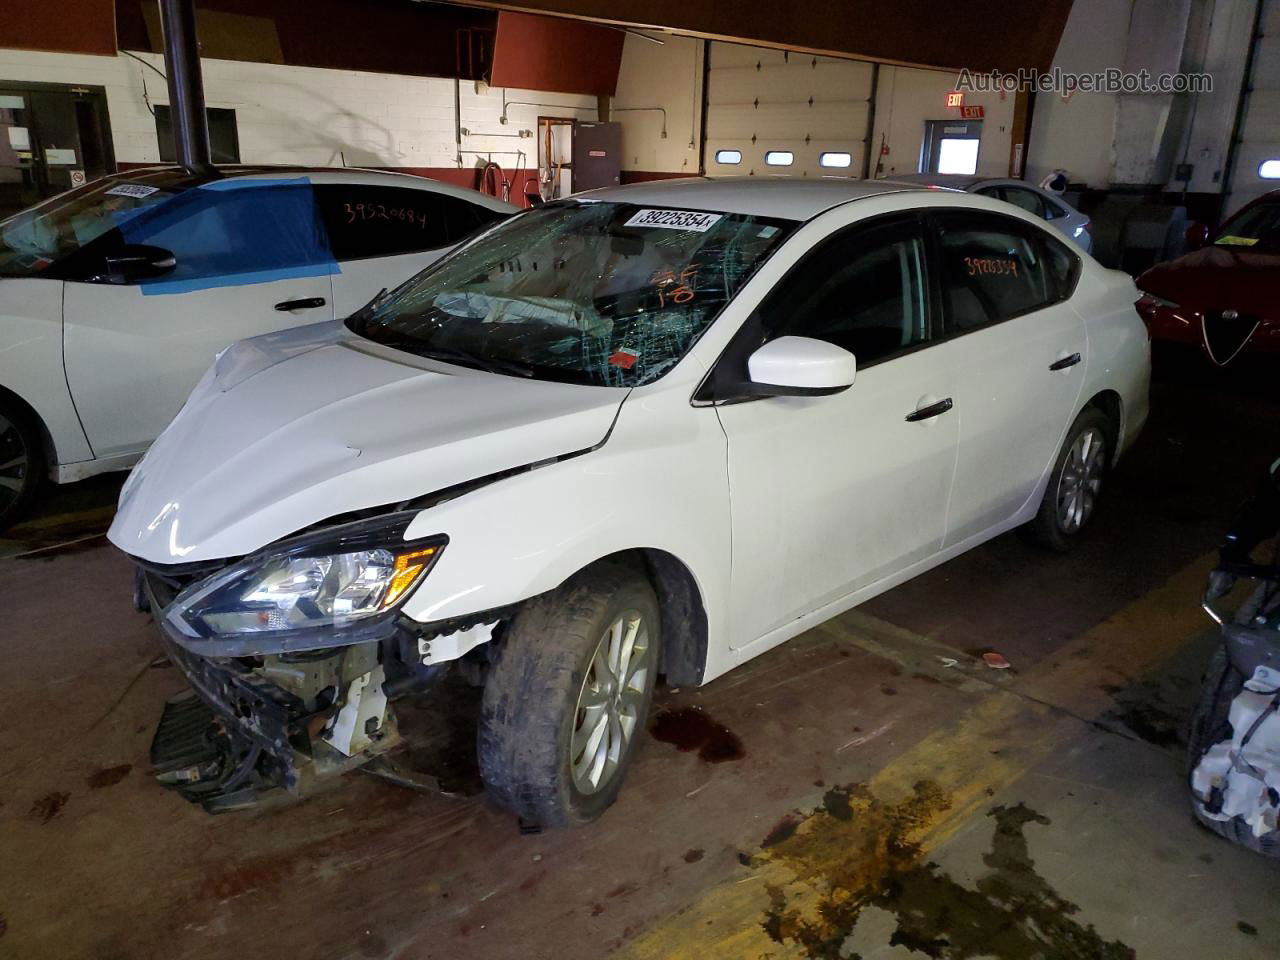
[52,137]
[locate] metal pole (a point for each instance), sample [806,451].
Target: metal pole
[186,88]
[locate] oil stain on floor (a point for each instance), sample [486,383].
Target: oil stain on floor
[690,729]
[1153,710]
[866,855]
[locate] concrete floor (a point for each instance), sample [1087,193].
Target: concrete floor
[857,796]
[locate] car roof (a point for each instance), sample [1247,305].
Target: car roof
[788,198]
[181,178]
[957,181]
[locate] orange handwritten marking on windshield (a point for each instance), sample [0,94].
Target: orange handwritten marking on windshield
[675,285]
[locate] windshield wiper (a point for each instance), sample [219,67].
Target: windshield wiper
[491,364]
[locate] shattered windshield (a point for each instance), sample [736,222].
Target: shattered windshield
[1257,228]
[609,294]
[34,239]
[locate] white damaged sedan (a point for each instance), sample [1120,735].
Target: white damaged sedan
[649,430]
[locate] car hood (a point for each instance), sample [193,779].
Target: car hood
[290,429]
[1218,278]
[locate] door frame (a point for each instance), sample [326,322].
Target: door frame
[94,93]
[935,132]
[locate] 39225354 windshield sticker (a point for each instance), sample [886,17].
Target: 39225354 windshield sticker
[136,190]
[675,220]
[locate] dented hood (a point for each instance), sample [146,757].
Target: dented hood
[290,429]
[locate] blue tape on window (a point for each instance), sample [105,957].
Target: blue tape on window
[161,286]
[234,232]
[243,183]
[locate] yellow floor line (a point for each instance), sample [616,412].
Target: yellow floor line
[984,751]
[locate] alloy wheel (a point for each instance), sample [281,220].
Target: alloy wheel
[14,463]
[611,702]
[1081,479]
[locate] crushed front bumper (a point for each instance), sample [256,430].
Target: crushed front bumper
[254,724]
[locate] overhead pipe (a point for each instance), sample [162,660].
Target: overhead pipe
[186,86]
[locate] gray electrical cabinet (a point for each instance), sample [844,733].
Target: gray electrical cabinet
[597,155]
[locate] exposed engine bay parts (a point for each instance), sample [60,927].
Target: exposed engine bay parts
[1234,749]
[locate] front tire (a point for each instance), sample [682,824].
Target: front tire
[1075,482]
[568,694]
[22,462]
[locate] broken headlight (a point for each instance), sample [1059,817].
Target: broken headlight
[331,579]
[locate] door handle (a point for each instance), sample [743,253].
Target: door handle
[931,411]
[1065,362]
[306,303]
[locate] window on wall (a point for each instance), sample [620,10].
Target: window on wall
[1269,170]
[224,140]
[957,156]
[837,159]
[728,156]
[779,158]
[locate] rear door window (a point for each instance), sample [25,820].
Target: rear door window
[1063,265]
[1028,200]
[992,269]
[379,221]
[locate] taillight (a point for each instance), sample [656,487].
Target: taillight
[1148,306]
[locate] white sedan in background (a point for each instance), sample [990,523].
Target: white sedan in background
[1059,214]
[652,428]
[115,297]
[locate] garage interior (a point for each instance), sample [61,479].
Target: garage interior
[985,761]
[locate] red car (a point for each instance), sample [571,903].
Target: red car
[1223,297]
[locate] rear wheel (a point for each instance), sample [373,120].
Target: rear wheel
[22,462]
[568,695]
[1075,483]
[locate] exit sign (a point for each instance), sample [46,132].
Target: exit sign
[971,113]
[955,99]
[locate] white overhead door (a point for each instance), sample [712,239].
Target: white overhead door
[791,108]
[1260,129]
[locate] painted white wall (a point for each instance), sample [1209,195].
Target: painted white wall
[907,97]
[653,78]
[314,117]
[1221,50]
[1078,134]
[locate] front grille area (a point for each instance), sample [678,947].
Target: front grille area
[1225,336]
[168,580]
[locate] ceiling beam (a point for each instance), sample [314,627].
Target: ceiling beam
[979,34]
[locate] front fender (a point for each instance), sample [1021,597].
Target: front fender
[659,482]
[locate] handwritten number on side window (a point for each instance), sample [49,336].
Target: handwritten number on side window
[378,211]
[991,266]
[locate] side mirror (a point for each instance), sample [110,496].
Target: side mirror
[137,261]
[533,197]
[1197,236]
[800,367]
